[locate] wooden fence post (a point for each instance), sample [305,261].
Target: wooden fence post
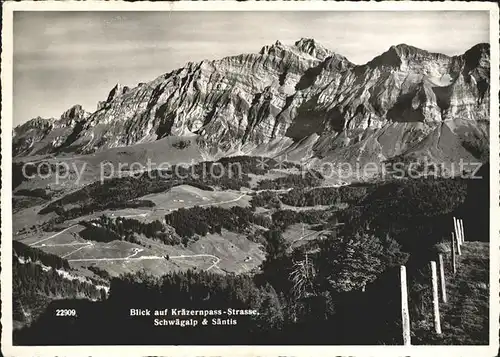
[453,254]
[435,299]
[457,241]
[455,226]
[405,315]
[457,230]
[462,230]
[442,278]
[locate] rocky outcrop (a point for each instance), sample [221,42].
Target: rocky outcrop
[296,94]
[117,91]
[45,136]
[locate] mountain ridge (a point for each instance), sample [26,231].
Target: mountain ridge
[283,93]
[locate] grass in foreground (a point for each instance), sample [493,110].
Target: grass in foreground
[465,315]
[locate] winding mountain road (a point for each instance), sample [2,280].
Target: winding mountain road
[207,204]
[137,251]
[52,236]
[133,257]
[74,225]
[150,257]
[89,244]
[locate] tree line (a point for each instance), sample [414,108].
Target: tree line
[416,212]
[305,197]
[291,181]
[285,218]
[201,221]
[266,199]
[107,229]
[33,288]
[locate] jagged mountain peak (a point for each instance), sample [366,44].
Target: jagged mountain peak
[117,91]
[266,49]
[74,111]
[405,49]
[306,43]
[312,47]
[307,46]
[482,47]
[407,57]
[477,54]
[274,49]
[34,123]
[42,136]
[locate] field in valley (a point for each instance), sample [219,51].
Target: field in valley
[224,252]
[217,228]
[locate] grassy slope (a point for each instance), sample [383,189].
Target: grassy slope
[465,316]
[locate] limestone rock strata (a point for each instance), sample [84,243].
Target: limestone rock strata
[293,94]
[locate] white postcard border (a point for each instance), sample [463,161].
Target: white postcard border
[6,193]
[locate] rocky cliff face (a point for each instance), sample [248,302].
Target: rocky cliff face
[44,136]
[303,100]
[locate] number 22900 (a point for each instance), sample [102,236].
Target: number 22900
[65,312]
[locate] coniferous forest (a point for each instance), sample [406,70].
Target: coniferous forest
[341,290]
[37,279]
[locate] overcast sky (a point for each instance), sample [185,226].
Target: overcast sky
[67,58]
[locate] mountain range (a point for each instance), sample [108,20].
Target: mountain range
[301,100]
